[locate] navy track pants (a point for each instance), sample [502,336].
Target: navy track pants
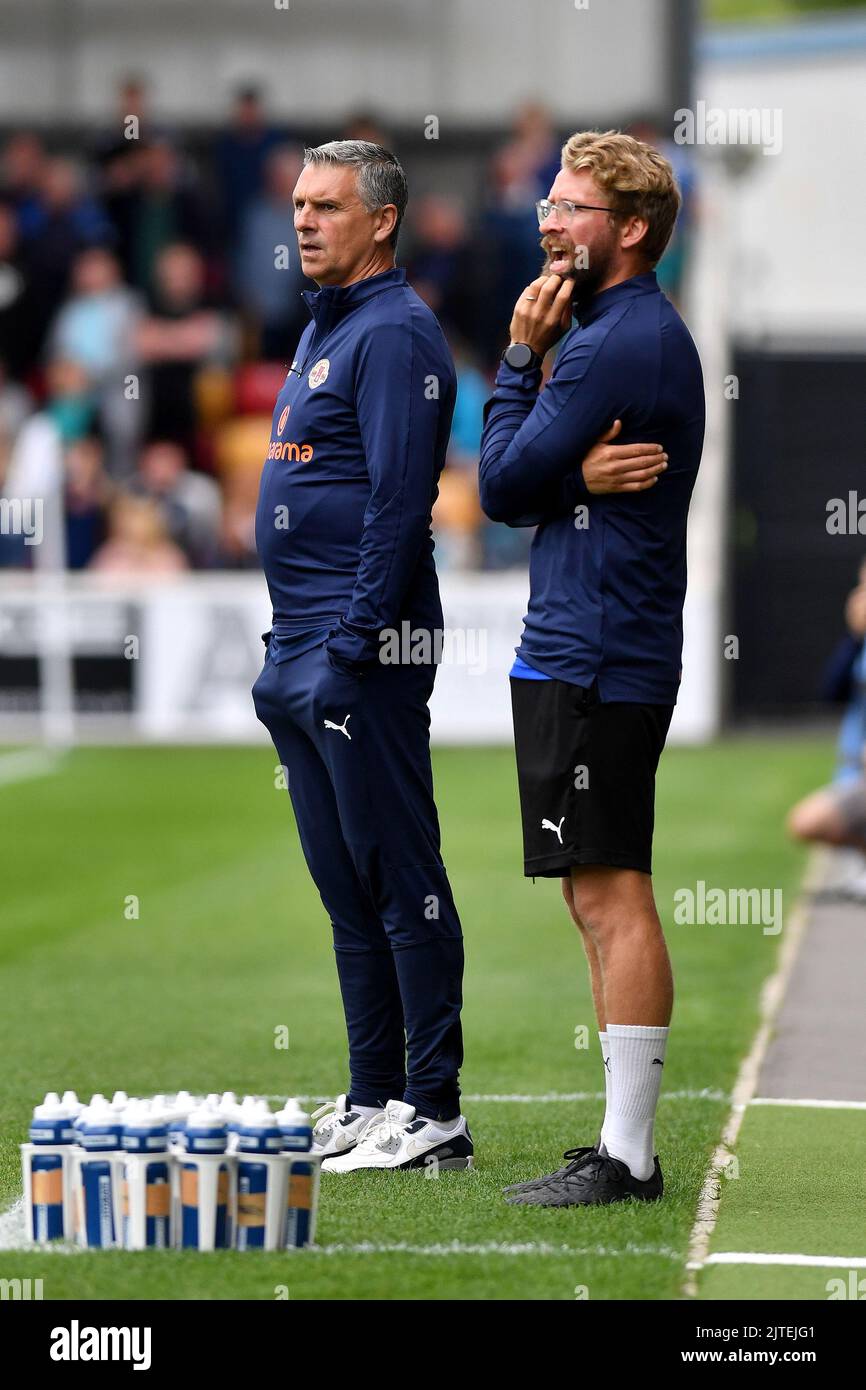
[357,756]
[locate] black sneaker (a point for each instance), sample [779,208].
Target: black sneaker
[574,1158]
[596,1180]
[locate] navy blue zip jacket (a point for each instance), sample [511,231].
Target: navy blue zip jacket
[607,572]
[358,440]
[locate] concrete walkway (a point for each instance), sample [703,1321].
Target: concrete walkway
[818,1049]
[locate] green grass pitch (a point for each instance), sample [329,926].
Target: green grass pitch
[775,1206]
[232,943]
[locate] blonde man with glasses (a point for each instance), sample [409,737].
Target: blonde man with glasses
[598,668]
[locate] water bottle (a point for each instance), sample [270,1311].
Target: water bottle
[297,1135]
[147,1192]
[45,1164]
[207,1182]
[259,1142]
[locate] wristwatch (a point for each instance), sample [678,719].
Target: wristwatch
[521,357]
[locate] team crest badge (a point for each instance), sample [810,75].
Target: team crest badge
[319,372]
[283,418]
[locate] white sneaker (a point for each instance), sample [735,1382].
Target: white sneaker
[336,1128]
[396,1139]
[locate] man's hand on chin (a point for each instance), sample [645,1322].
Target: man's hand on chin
[542,313]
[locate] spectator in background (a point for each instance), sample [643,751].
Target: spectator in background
[121,153]
[21,172]
[138,541]
[131,101]
[88,492]
[120,179]
[836,814]
[442,267]
[17,339]
[62,205]
[117,151]
[95,328]
[269,282]
[190,503]
[180,334]
[166,207]
[64,220]
[240,154]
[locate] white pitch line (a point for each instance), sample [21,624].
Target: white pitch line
[494,1247]
[13,1226]
[13,1234]
[13,1237]
[549,1097]
[749,1257]
[772,995]
[811,1104]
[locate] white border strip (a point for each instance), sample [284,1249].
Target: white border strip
[811,1104]
[748,1257]
[772,995]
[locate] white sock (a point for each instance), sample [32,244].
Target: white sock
[443,1126]
[365,1111]
[605,1057]
[637,1057]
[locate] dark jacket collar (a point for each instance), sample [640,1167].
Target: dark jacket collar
[626,289]
[333,302]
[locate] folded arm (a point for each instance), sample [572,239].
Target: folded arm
[541,454]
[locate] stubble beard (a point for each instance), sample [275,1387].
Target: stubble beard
[586,279]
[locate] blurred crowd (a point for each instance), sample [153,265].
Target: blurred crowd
[148,312]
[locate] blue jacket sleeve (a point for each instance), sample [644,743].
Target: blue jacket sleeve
[534,443]
[400,419]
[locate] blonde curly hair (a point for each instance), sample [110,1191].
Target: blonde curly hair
[635,178]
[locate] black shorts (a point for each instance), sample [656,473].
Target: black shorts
[586,773]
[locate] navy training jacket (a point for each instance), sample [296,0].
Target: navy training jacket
[607,571]
[358,440]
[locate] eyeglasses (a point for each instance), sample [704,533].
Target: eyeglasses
[564,209]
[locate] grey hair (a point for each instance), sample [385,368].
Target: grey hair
[379,174]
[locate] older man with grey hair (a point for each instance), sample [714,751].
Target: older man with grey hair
[359,435]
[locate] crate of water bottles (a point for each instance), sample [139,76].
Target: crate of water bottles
[170,1172]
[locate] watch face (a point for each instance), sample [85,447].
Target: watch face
[518,355]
